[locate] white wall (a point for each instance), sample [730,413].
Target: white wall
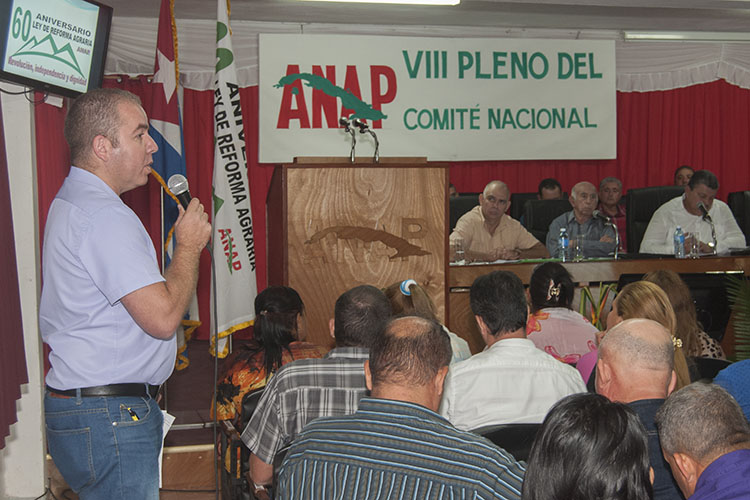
[22,461]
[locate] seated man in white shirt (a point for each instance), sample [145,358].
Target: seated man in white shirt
[511,381]
[685,211]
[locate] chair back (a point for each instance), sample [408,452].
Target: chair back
[708,368]
[539,214]
[739,203]
[518,202]
[459,205]
[249,404]
[516,439]
[641,205]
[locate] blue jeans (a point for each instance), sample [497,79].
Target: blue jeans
[100,450]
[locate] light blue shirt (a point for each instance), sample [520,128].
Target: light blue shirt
[592,230]
[97,251]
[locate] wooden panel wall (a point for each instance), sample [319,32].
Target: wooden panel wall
[352,225]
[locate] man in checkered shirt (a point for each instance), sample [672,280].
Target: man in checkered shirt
[310,388]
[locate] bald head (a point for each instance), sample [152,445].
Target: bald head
[582,187]
[494,200]
[637,361]
[410,352]
[493,185]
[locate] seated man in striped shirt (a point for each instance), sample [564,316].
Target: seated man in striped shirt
[396,445]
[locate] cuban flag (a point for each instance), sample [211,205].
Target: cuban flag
[166,130]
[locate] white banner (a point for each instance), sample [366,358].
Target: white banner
[233,239]
[443,98]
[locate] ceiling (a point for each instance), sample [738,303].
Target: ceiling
[661,15]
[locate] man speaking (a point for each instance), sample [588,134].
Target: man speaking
[106,312]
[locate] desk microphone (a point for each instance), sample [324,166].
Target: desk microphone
[703,210]
[178,185]
[598,215]
[344,122]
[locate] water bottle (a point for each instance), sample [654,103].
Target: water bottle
[679,243]
[563,243]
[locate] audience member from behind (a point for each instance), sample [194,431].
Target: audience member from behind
[589,449]
[549,189]
[488,234]
[511,381]
[395,446]
[636,367]
[278,338]
[642,300]
[695,342]
[408,298]
[610,195]
[706,440]
[580,223]
[682,175]
[552,325]
[735,378]
[309,388]
[685,212]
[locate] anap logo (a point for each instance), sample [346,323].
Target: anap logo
[328,101]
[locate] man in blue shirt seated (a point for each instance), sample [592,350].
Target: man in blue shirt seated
[706,440]
[396,445]
[735,378]
[598,237]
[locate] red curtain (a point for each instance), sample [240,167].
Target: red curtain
[12,354]
[706,126]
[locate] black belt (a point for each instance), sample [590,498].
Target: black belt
[128,390]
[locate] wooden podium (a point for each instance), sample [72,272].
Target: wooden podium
[333,225]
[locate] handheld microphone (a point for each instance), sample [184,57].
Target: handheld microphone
[704,211]
[178,184]
[598,215]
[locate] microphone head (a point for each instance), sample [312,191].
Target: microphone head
[702,208]
[178,184]
[597,214]
[344,121]
[360,124]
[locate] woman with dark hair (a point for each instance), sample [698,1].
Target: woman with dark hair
[552,325]
[589,448]
[408,298]
[278,338]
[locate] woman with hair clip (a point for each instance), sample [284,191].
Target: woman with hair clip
[695,341]
[408,298]
[643,299]
[552,325]
[589,448]
[278,338]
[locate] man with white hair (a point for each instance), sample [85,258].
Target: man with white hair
[706,440]
[580,223]
[636,367]
[488,234]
